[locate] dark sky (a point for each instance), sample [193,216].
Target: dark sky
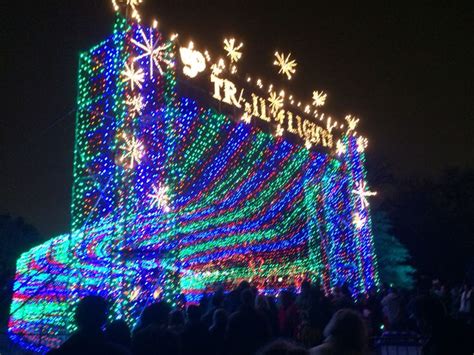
[406,71]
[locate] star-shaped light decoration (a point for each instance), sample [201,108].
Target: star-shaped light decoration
[362,191]
[157,53]
[160,198]
[307,144]
[135,77]
[279,131]
[358,221]
[131,4]
[362,143]
[351,123]
[134,151]
[287,66]
[136,104]
[340,147]
[276,102]
[319,98]
[233,50]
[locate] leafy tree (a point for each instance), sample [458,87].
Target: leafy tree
[393,256]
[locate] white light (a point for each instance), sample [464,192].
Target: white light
[135,77]
[218,67]
[287,66]
[152,50]
[246,118]
[330,125]
[362,191]
[233,50]
[319,98]
[279,131]
[362,144]
[136,104]
[340,147]
[358,221]
[160,198]
[134,151]
[351,123]
[132,4]
[134,294]
[276,102]
[193,60]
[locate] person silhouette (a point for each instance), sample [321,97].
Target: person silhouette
[90,317]
[153,335]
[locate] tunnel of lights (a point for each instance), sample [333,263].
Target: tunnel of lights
[237,203]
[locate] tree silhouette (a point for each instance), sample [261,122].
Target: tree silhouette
[393,257]
[434,218]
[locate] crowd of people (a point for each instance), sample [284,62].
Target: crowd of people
[245,321]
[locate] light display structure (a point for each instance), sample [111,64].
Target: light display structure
[174,196]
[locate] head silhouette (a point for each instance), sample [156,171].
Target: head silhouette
[156,313]
[194,313]
[347,329]
[243,285]
[428,312]
[176,318]
[261,302]
[247,298]
[91,313]
[118,332]
[219,317]
[286,298]
[305,286]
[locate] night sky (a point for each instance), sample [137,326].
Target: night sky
[407,72]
